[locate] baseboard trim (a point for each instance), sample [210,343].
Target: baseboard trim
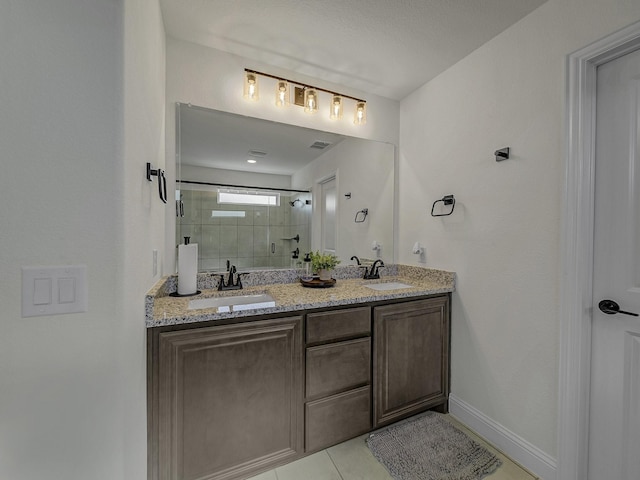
[515,447]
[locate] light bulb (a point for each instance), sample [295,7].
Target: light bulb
[336,107]
[282,93]
[310,100]
[251,86]
[360,117]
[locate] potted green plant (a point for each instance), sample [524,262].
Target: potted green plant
[323,263]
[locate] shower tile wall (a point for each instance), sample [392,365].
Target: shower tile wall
[245,241]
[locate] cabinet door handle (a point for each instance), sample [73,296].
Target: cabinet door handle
[273,247]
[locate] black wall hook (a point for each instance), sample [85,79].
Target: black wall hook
[162,181]
[502,154]
[446,200]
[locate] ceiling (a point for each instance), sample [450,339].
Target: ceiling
[381,47]
[214,139]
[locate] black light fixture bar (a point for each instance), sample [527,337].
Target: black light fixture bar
[304,85]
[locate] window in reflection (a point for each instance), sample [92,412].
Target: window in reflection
[228,213]
[248,198]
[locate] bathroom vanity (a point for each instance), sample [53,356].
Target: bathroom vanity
[233,394]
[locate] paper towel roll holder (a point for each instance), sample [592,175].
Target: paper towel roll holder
[176,294]
[187,241]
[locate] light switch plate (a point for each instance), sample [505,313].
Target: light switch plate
[54,290]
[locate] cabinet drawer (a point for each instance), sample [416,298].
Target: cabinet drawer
[338,366]
[338,324]
[334,419]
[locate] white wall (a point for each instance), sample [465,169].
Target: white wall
[365,169]
[142,228]
[72,386]
[210,78]
[504,238]
[80,118]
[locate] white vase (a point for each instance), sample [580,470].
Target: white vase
[324,274]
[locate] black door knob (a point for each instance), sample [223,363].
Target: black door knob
[611,308]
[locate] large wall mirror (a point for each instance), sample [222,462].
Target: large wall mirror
[260,194]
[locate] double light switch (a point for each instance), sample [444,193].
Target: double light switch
[54,290]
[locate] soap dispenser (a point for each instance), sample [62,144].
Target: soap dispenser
[307,273]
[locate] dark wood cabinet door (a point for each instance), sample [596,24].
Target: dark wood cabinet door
[230,399]
[411,358]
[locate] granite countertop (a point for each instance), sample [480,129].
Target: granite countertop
[290,295]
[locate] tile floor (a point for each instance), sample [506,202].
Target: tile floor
[352,460]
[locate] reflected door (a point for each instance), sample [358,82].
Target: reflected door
[329,206]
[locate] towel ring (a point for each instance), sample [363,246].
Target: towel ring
[361,216]
[446,200]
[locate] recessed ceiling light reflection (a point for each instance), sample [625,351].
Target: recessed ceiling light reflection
[251,160]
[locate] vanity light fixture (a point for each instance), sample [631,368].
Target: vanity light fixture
[306,96]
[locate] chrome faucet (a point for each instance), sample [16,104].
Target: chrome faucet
[230,285]
[373,273]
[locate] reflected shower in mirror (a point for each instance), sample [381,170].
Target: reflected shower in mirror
[243,191]
[245,234]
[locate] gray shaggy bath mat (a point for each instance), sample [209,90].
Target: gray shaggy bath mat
[427,447]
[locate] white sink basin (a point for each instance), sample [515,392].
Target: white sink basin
[386,286]
[235,303]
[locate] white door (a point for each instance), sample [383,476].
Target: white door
[614,438]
